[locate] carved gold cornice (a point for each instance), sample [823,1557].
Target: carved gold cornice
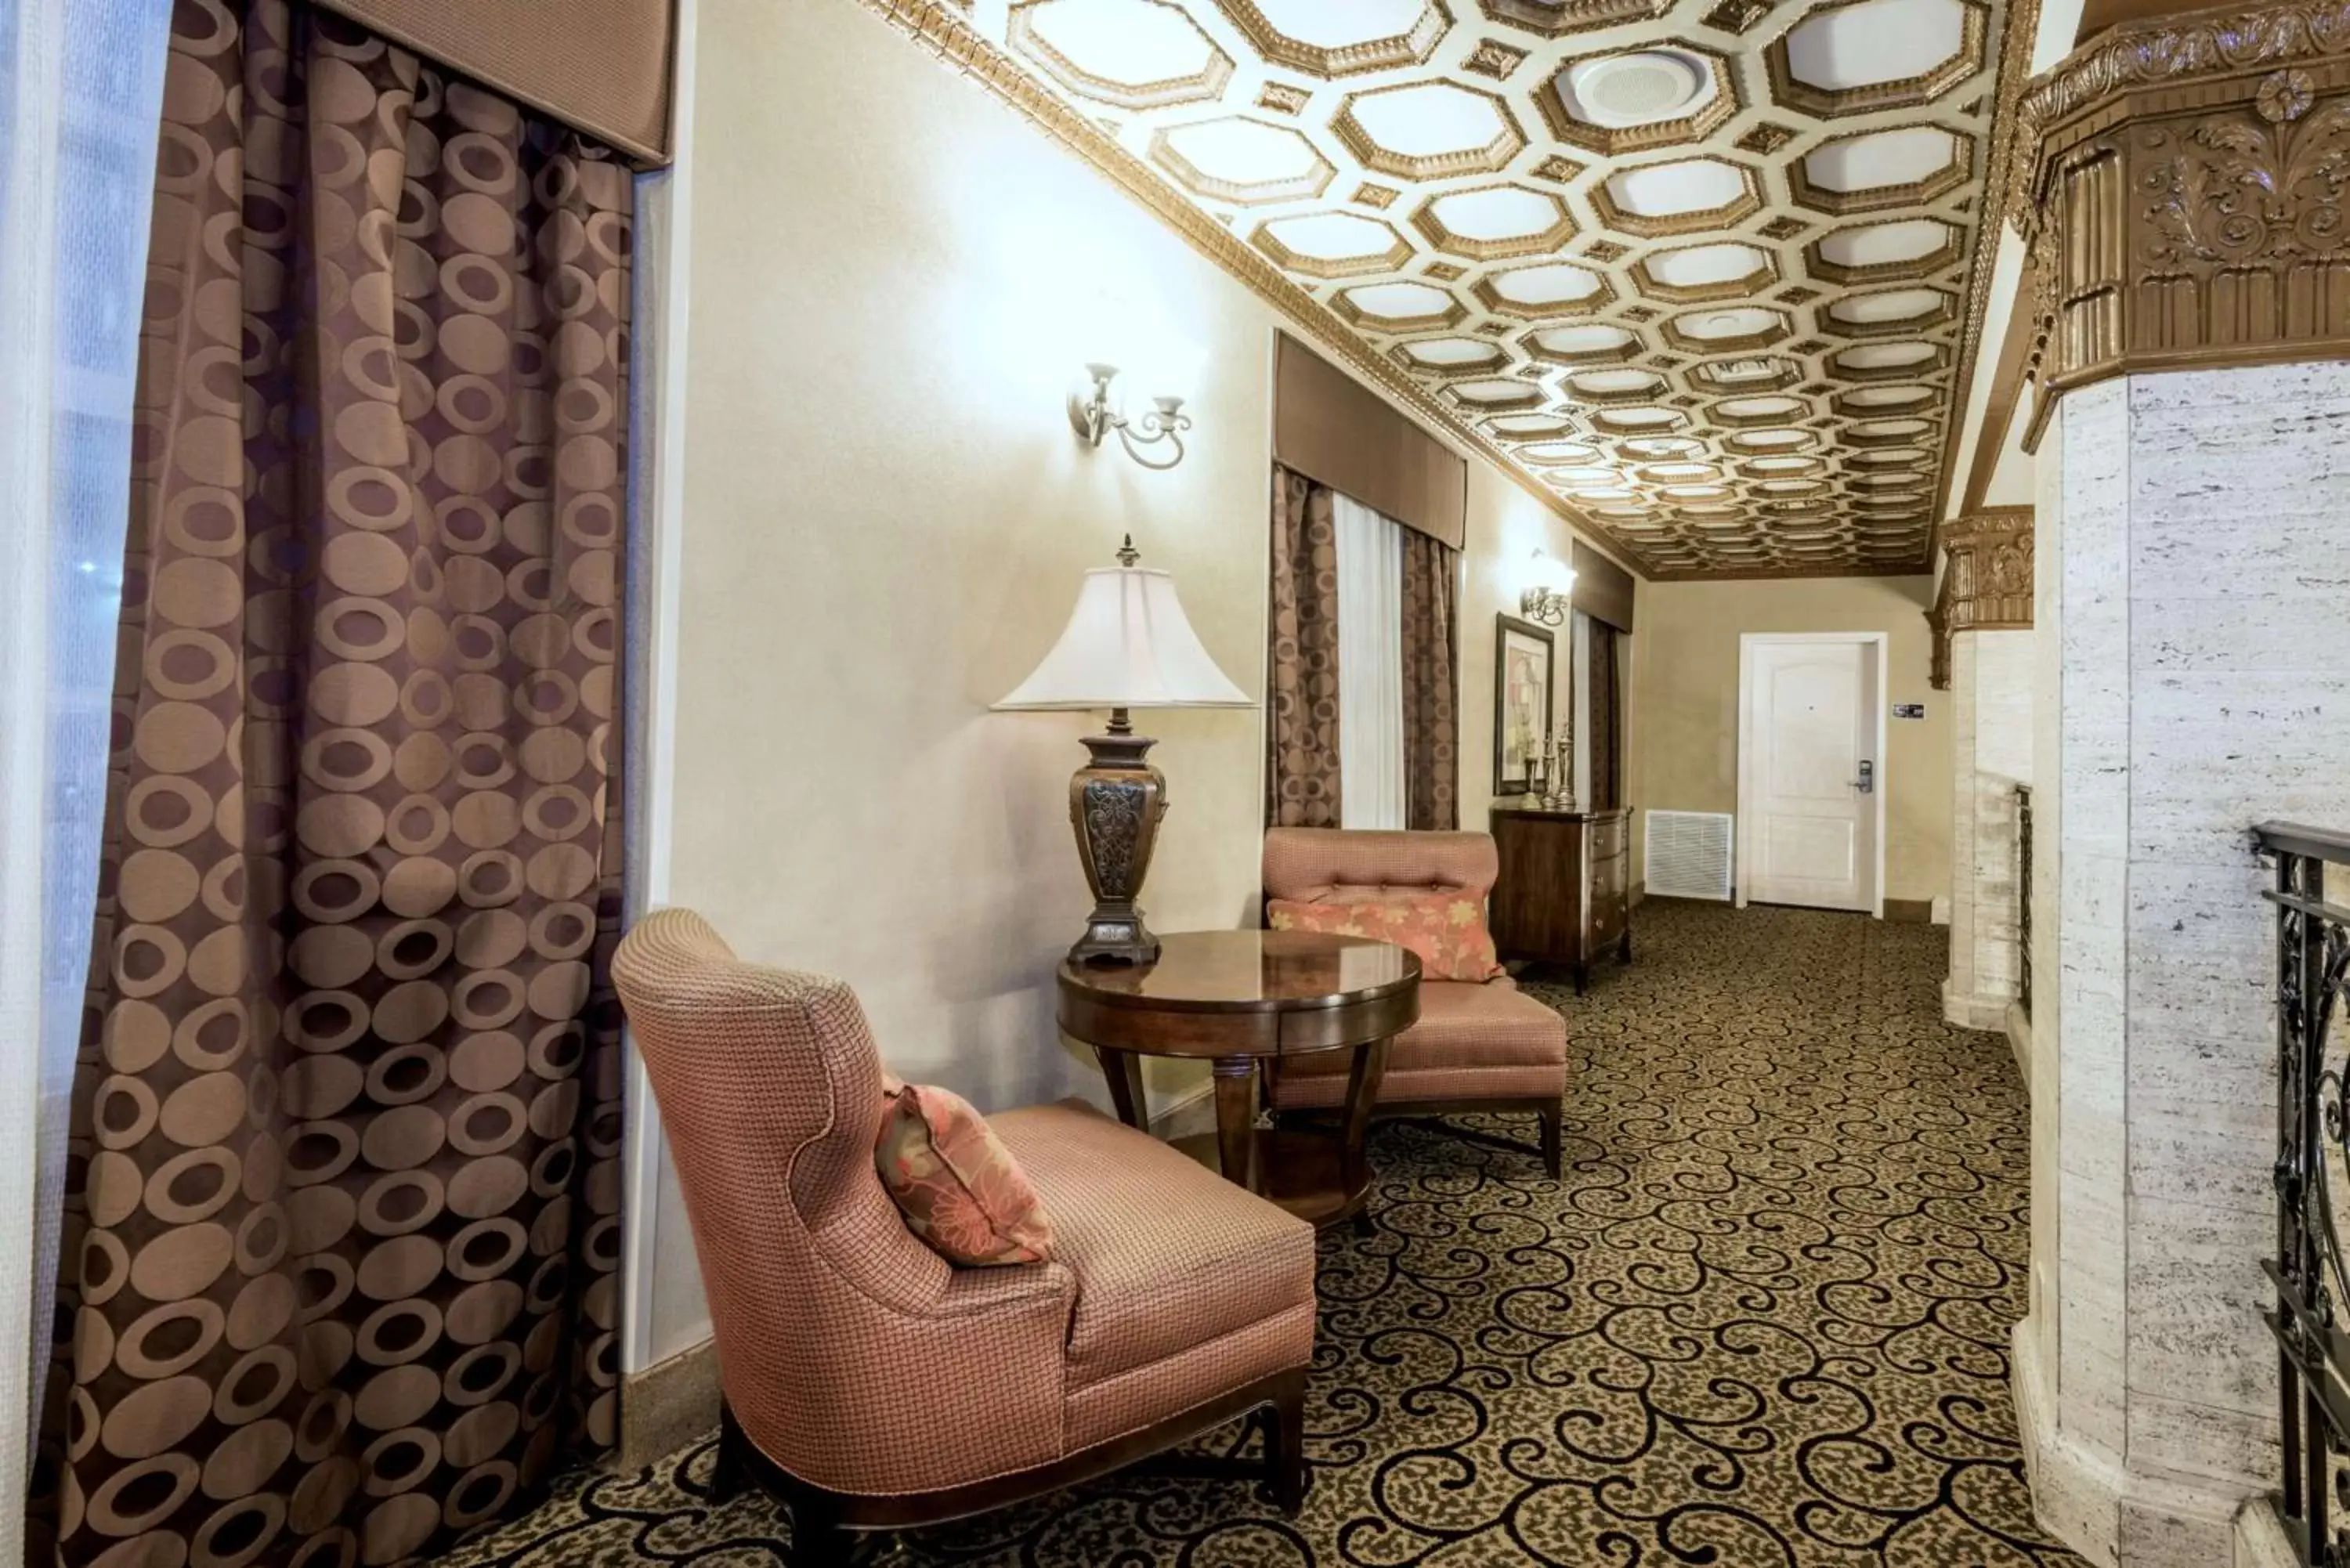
[2014,61]
[1986,579]
[2186,203]
[1989,580]
[942,29]
[2189,47]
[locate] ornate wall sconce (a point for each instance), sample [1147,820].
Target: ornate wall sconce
[1549,593]
[1163,426]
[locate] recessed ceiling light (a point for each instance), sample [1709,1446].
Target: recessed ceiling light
[1637,88]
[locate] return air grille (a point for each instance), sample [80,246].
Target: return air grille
[1688,854]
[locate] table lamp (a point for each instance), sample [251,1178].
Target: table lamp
[1128,645]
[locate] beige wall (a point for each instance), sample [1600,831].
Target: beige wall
[1685,755]
[884,517]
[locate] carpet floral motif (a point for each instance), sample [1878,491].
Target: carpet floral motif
[1762,1323]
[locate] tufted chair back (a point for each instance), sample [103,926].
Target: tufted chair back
[1355,865]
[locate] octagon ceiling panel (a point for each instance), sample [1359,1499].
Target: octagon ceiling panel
[1701,270]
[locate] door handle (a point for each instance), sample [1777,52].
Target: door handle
[1866,783]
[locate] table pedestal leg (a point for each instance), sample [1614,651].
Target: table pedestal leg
[1124,1071]
[1363,1079]
[1236,1120]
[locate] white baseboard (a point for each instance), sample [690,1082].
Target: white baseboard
[1973,1010]
[666,1405]
[2086,1497]
[1189,1112]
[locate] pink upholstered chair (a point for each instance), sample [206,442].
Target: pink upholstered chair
[1488,1047]
[867,1382]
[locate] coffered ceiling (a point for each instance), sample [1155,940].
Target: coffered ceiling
[1703,270]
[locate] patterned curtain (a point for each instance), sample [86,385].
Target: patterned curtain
[1606,740]
[343,1227]
[1301,730]
[1431,683]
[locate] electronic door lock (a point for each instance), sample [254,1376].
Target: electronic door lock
[1866,783]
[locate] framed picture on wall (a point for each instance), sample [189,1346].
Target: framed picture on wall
[1523,656]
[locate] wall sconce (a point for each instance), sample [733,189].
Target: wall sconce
[1549,594]
[1163,425]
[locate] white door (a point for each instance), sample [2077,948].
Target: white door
[1810,772]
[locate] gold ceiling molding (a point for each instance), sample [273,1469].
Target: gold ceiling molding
[1987,582]
[2014,66]
[1734,341]
[2187,206]
[942,29]
[1904,92]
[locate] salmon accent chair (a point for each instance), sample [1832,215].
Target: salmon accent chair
[1488,1047]
[869,1383]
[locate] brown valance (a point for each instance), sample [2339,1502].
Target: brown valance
[599,66]
[1603,590]
[1331,428]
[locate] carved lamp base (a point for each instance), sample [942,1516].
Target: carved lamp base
[1114,803]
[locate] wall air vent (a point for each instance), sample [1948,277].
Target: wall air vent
[1689,855]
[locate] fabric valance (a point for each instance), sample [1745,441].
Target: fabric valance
[1331,428]
[1603,590]
[601,67]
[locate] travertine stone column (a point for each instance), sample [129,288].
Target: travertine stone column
[2193,280]
[1985,610]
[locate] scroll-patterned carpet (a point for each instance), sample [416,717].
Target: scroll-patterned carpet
[1763,1321]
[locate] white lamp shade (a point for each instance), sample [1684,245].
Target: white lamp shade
[1128,645]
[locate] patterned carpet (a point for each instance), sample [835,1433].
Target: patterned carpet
[1763,1322]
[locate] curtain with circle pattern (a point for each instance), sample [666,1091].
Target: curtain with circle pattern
[1431,683]
[1606,683]
[343,1227]
[1301,705]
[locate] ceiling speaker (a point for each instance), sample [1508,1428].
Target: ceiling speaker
[1636,88]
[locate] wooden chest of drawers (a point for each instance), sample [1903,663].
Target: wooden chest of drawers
[1565,885]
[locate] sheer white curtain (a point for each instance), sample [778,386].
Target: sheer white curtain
[1370,666]
[80,94]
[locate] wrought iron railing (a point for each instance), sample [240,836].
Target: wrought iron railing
[2023,898]
[2313,1179]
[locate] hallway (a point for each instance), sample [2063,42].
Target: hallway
[1763,1321]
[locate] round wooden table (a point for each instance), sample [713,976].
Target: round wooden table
[1237,998]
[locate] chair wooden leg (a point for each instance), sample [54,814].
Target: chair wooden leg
[819,1538]
[1284,1445]
[728,1472]
[1553,1116]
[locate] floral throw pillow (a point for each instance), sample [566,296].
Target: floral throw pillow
[958,1186]
[1447,930]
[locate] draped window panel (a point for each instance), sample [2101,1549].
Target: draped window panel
[1302,761]
[1330,426]
[343,1230]
[1577,676]
[600,65]
[1431,683]
[1606,728]
[1603,590]
[1370,666]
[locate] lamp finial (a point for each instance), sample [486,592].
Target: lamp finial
[1126,554]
